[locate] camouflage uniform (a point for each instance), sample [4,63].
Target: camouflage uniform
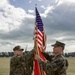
[56,65]
[22,65]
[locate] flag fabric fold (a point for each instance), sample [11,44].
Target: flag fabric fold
[37,70]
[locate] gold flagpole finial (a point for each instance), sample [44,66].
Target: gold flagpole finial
[35,5]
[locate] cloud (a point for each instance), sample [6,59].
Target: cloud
[30,11]
[39,0]
[59,3]
[10,17]
[14,24]
[43,7]
[17,24]
[61,19]
[68,1]
[30,1]
[48,10]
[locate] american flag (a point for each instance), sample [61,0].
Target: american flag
[39,44]
[40,36]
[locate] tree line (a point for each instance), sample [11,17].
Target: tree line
[10,54]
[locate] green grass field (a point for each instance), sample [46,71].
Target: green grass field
[5,65]
[71,68]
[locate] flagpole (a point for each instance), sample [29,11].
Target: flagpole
[38,68]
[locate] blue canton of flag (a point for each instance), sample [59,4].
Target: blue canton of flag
[39,20]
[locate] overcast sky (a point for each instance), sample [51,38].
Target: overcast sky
[17,21]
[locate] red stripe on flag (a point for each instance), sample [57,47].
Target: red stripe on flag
[39,33]
[40,38]
[40,44]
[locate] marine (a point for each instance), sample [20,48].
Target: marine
[56,64]
[21,64]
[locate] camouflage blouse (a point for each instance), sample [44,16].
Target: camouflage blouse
[56,65]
